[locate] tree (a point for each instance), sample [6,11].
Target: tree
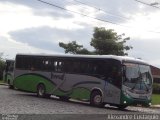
[109,42]
[74,48]
[104,42]
[2,65]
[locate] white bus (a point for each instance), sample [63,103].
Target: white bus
[100,79]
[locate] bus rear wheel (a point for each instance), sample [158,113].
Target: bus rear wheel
[96,99]
[11,87]
[9,84]
[41,91]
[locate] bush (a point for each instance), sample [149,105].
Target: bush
[2,66]
[156,88]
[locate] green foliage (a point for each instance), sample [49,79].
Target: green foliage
[74,48]
[2,65]
[108,42]
[155,99]
[104,42]
[156,88]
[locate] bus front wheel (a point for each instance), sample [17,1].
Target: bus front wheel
[96,99]
[121,107]
[64,98]
[41,91]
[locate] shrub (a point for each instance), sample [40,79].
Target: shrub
[2,66]
[156,88]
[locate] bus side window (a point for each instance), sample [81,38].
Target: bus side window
[55,66]
[83,67]
[76,67]
[58,66]
[114,75]
[18,63]
[67,68]
[46,65]
[100,68]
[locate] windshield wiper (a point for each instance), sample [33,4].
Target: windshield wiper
[136,83]
[139,79]
[146,86]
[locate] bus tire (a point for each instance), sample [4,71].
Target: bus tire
[64,98]
[121,107]
[47,95]
[96,99]
[11,87]
[41,90]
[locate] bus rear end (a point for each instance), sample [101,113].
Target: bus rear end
[8,74]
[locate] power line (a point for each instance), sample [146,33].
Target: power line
[51,4]
[99,9]
[151,5]
[105,21]
[77,4]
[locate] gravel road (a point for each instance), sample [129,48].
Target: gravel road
[18,102]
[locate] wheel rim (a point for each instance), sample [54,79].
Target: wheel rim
[41,90]
[97,99]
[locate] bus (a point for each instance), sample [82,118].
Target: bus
[8,74]
[100,79]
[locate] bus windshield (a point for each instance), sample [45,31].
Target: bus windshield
[137,76]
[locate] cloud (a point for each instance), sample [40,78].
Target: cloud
[16,17]
[125,8]
[120,8]
[114,9]
[146,49]
[41,9]
[11,48]
[48,38]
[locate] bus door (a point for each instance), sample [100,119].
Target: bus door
[113,82]
[57,74]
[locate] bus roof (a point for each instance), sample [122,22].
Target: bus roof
[120,58]
[9,60]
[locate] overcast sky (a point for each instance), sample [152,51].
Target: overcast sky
[29,26]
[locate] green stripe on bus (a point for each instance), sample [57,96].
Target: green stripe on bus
[80,93]
[29,82]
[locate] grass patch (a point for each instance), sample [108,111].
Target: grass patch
[155,99]
[1,81]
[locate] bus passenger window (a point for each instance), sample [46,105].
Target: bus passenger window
[114,73]
[55,66]
[58,66]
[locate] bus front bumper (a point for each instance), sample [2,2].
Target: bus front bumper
[128,100]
